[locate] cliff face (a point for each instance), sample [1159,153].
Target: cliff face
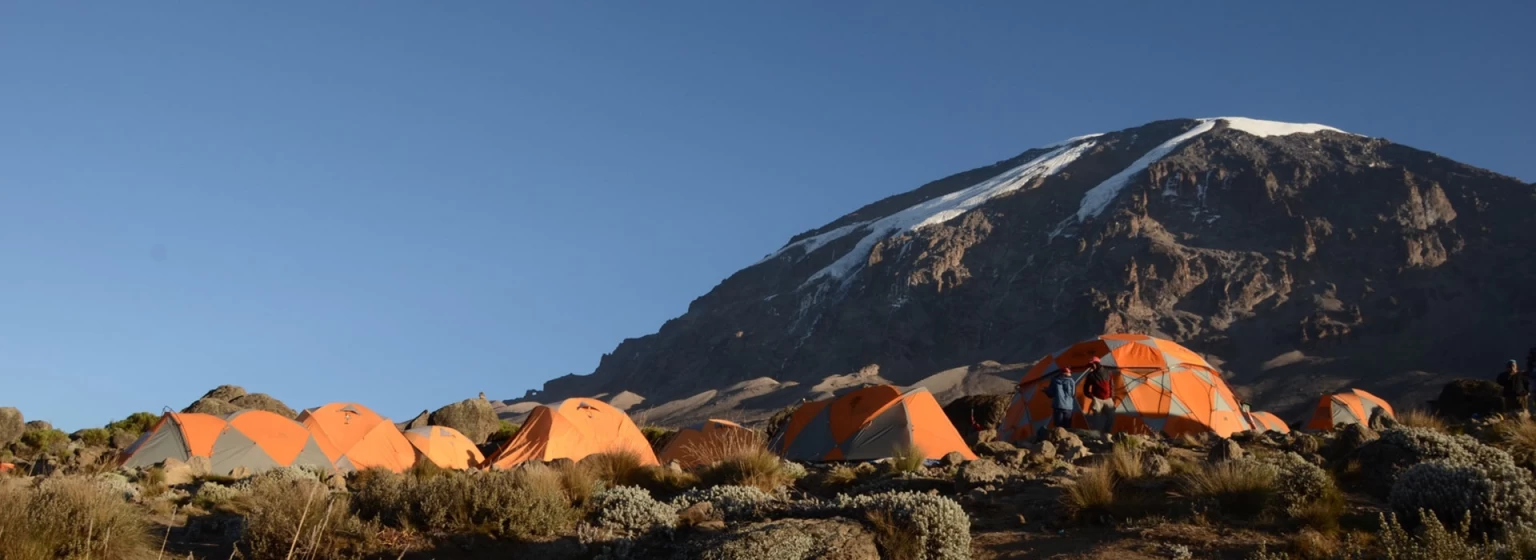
[1296,256]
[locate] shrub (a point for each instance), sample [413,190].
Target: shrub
[44,440]
[301,518]
[628,510]
[94,437]
[892,538]
[936,525]
[664,481]
[529,502]
[1492,496]
[733,502]
[504,432]
[1241,488]
[212,495]
[793,470]
[1301,482]
[135,424]
[757,467]
[657,436]
[1435,541]
[68,517]
[1400,448]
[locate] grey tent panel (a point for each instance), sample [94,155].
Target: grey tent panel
[312,456]
[233,450]
[814,440]
[154,448]
[345,465]
[881,437]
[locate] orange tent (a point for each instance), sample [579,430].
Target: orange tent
[573,429]
[1263,421]
[1160,386]
[251,441]
[1348,407]
[867,424]
[445,447]
[690,446]
[357,438]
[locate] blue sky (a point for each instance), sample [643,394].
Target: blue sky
[404,204]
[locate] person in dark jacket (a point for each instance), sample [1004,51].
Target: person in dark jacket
[1063,393]
[1517,387]
[1100,387]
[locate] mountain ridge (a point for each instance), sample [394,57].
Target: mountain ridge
[1244,239]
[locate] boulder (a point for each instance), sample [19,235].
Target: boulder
[1225,450]
[1381,420]
[976,413]
[833,539]
[121,439]
[1155,465]
[262,401]
[986,436]
[420,421]
[980,472]
[1016,458]
[1075,453]
[1045,450]
[472,417]
[12,425]
[1351,437]
[1063,438]
[1465,398]
[698,514]
[951,459]
[215,407]
[225,393]
[39,425]
[995,449]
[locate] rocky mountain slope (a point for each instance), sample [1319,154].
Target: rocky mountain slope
[1299,258]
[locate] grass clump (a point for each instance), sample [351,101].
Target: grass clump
[907,459]
[665,481]
[1517,436]
[616,468]
[758,467]
[69,517]
[722,446]
[1241,488]
[1420,418]
[1092,494]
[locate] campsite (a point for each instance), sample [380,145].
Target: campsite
[1186,470]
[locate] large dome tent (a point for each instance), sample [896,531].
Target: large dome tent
[1159,386]
[246,442]
[1352,406]
[573,429]
[356,438]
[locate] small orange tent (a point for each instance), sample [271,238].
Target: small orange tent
[573,429]
[251,441]
[1267,421]
[1347,407]
[867,424]
[445,447]
[1159,386]
[692,445]
[357,438]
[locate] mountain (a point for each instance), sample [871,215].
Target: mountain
[1297,257]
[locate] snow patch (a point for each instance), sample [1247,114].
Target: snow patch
[1265,129]
[814,242]
[1098,198]
[949,207]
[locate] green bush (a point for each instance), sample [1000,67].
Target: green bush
[44,440]
[136,423]
[95,437]
[303,516]
[932,524]
[504,432]
[529,502]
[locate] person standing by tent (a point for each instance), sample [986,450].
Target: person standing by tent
[1517,388]
[1101,389]
[1063,393]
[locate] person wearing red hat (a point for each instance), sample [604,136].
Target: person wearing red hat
[1101,389]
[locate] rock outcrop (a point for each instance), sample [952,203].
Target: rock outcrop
[12,425]
[472,417]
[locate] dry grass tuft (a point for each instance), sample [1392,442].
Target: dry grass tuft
[578,483]
[1125,462]
[1308,544]
[298,518]
[758,467]
[907,459]
[1518,437]
[893,540]
[1420,418]
[69,517]
[616,468]
[1237,488]
[1322,515]
[723,446]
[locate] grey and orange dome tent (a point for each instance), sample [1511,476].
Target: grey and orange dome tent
[357,438]
[249,441]
[444,447]
[698,444]
[1159,386]
[1347,407]
[573,429]
[1267,421]
[868,424]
